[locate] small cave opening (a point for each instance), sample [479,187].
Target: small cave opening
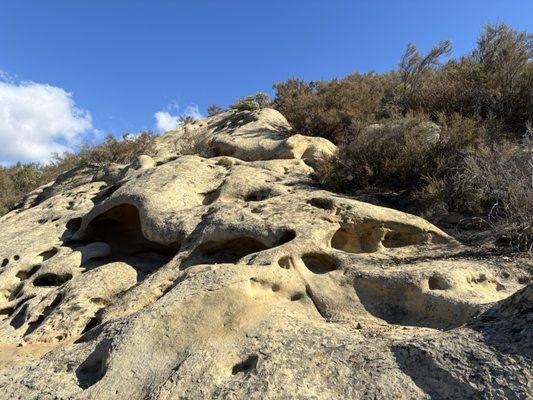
[120,228]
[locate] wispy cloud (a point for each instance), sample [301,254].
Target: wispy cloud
[169,118]
[37,120]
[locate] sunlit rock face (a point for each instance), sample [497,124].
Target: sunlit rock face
[229,274]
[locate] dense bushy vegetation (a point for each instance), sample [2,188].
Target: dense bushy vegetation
[17,180]
[450,135]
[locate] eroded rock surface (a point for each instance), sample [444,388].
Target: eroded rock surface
[230,274]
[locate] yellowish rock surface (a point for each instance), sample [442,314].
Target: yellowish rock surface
[228,273]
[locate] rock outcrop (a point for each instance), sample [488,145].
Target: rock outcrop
[229,274]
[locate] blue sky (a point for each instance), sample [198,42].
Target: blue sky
[114,64]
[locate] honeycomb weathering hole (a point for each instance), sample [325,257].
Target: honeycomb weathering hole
[401,239]
[259,195]
[320,263]
[73,224]
[232,250]
[405,304]
[46,255]
[366,241]
[246,366]
[437,283]
[50,279]
[221,252]
[323,203]
[120,228]
[94,368]
[27,274]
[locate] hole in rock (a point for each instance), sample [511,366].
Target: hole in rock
[7,311]
[211,197]
[403,238]
[286,237]
[93,368]
[120,228]
[93,323]
[437,283]
[104,194]
[352,242]
[402,303]
[73,224]
[16,292]
[285,262]
[16,257]
[51,279]
[323,203]
[46,312]
[229,251]
[99,301]
[259,195]
[18,320]
[5,261]
[245,366]
[46,255]
[297,296]
[319,263]
[23,275]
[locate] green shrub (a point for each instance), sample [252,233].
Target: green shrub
[252,103]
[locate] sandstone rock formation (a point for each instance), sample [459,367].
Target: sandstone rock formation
[230,274]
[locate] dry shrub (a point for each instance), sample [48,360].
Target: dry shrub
[112,150]
[494,81]
[461,171]
[497,181]
[401,153]
[192,143]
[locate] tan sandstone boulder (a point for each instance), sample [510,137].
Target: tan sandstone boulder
[227,273]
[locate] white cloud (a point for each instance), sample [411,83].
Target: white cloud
[165,121]
[36,120]
[193,111]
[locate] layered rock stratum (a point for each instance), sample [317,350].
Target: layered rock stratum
[230,274]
